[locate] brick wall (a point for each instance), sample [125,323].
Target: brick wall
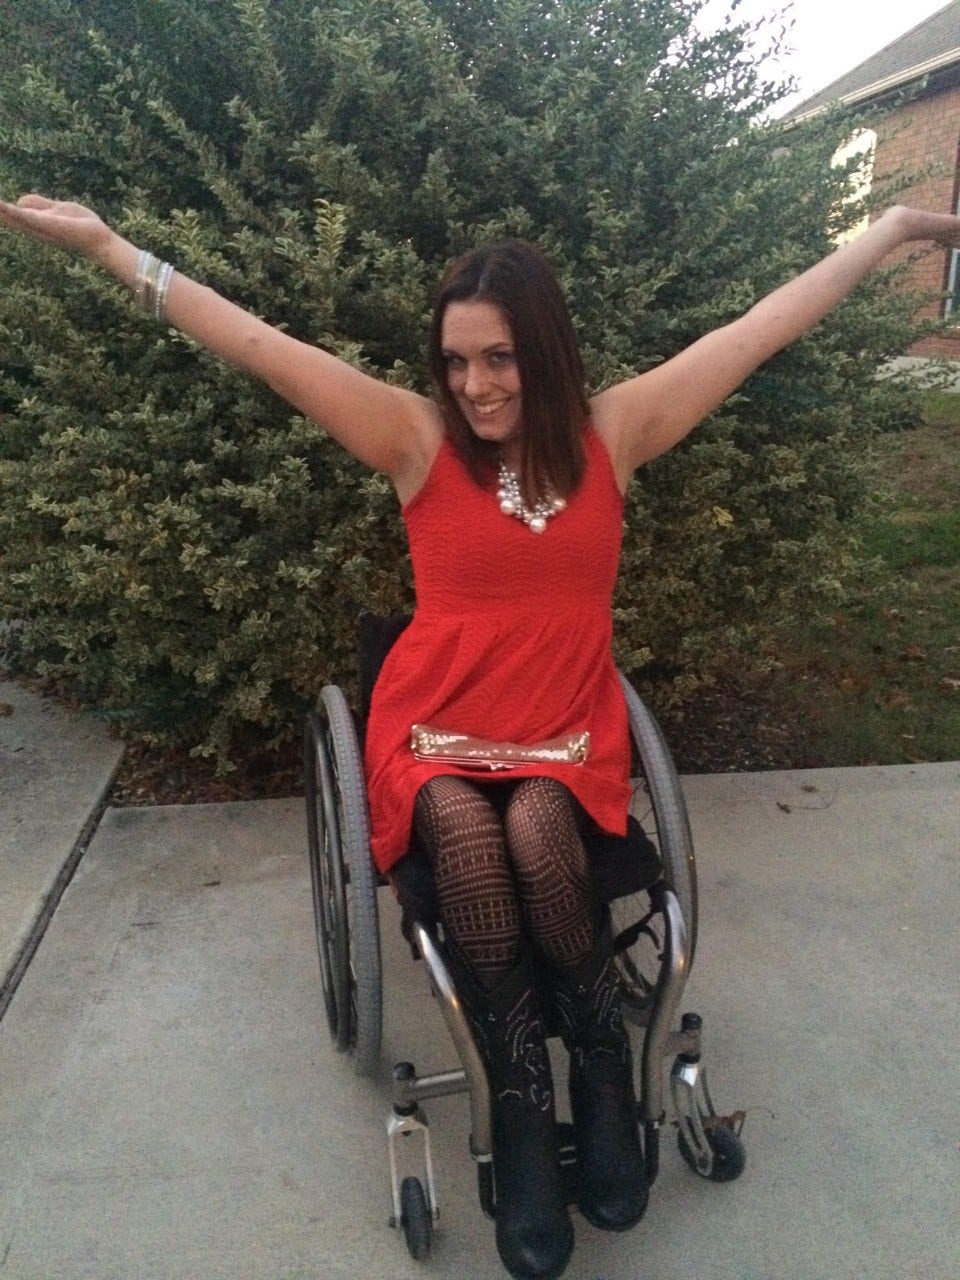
[922,135]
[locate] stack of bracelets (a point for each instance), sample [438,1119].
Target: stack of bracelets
[152,284]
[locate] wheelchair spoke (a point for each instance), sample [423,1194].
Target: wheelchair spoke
[657,804]
[639,962]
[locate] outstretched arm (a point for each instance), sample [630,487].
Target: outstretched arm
[386,427]
[647,415]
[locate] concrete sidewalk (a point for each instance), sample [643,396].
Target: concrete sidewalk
[171,1109]
[55,769]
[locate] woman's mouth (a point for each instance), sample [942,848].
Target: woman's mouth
[487,410]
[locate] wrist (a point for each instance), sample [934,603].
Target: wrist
[913,224]
[899,223]
[114,254]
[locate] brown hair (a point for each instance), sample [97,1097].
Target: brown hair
[516,277]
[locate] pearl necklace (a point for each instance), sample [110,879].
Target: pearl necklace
[512,503]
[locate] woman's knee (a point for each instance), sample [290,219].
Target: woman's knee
[542,810]
[449,809]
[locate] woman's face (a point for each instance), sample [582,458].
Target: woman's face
[482,373]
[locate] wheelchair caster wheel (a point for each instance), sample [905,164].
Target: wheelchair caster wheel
[415,1218]
[729,1156]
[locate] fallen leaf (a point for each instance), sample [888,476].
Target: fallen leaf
[733,1121]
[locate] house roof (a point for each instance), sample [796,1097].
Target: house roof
[929,46]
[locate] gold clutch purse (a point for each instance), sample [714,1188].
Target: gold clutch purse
[467,752]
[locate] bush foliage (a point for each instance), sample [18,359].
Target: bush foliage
[187,553]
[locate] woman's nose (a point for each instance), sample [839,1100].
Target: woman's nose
[475,380]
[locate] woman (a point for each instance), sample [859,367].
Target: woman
[511,484]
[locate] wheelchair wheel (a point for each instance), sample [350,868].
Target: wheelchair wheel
[659,806]
[326,878]
[415,1218]
[344,881]
[729,1155]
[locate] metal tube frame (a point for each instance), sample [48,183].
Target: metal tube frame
[415,1122]
[694,1110]
[410,1090]
[659,1041]
[689,1094]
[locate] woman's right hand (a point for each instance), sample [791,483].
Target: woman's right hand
[390,429]
[58,222]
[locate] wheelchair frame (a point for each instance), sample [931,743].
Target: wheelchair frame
[654,954]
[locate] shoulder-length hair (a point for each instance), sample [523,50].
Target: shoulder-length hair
[516,277]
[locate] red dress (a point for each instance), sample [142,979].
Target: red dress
[510,641]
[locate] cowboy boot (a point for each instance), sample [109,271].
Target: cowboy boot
[533,1229]
[611,1172]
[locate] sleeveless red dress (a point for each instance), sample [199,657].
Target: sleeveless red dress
[510,641]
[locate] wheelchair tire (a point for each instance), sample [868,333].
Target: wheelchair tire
[326,878]
[415,1218]
[729,1155]
[344,881]
[660,807]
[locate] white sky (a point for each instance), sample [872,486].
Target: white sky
[828,37]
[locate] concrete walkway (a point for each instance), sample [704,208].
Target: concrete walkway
[55,769]
[171,1108]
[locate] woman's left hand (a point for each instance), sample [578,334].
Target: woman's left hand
[919,224]
[644,416]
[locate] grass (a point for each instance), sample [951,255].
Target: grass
[880,683]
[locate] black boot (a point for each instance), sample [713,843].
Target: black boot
[533,1229]
[611,1174]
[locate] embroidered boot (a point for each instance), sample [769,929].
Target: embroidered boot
[533,1229]
[611,1173]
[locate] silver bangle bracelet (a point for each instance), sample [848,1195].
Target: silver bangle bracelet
[152,283]
[164,276]
[140,279]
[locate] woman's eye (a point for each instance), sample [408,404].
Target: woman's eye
[501,358]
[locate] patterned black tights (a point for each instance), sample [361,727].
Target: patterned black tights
[508,857]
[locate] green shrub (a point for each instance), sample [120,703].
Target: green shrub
[187,553]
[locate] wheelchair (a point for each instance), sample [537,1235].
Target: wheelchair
[646,882]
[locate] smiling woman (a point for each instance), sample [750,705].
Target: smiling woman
[524,314]
[510,641]
[482,374]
